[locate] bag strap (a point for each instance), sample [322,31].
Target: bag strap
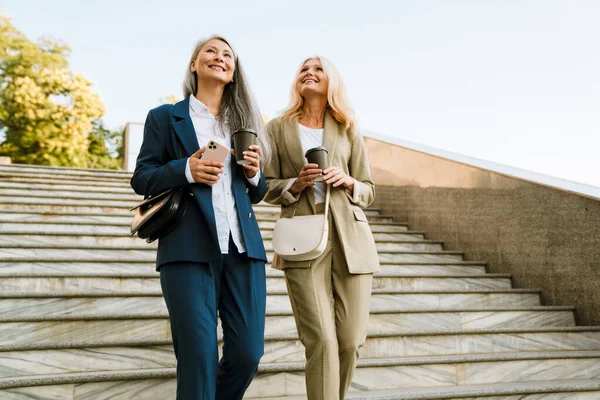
[327,193]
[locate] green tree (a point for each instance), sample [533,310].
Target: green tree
[106,147]
[46,111]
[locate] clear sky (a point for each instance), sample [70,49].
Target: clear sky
[511,81]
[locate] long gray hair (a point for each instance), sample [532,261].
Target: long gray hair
[238,107]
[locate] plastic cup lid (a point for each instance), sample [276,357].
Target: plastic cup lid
[319,148]
[246,130]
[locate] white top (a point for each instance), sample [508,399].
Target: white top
[226,217]
[313,138]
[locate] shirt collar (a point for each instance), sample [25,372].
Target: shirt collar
[198,107]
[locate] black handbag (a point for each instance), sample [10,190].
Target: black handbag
[158,215]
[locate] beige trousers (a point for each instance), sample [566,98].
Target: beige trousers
[331,308]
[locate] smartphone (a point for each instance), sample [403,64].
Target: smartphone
[215,152]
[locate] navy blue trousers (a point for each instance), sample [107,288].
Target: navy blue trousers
[194,292]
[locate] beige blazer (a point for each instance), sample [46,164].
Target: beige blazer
[346,151]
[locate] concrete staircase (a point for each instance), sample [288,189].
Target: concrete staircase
[82,317]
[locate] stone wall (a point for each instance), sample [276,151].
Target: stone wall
[547,238]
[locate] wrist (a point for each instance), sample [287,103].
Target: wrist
[293,189]
[349,184]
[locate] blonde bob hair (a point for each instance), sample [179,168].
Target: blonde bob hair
[338,104]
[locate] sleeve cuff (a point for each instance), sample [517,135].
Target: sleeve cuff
[188,172]
[290,198]
[255,180]
[354,196]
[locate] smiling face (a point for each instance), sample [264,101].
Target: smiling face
[312,79]
[215,61]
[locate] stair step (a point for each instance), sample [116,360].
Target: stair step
[65,205]
[122,225]
[81,202]
[130,199]
[71,178]
[30,191]
[94,270]
[45,218]
[15,215]
[109,235]
[124,219]
[588,389]
[70,268]
[262,207]
[386,219]
[26,167]
[123,355]
[18,169]
[25,284]
[115,198]
[288,379]
[116,191]
[55,303]
[82,182]
[62,204]
[149,255]
[32,239]
[129,326]
[134,243]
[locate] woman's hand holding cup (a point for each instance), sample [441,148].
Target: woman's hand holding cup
[305,178]
[252,156]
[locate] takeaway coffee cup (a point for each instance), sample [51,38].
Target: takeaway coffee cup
[317,155]
[242,140]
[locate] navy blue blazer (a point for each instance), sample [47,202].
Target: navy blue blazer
[159,168]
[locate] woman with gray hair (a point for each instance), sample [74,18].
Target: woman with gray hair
[214,260]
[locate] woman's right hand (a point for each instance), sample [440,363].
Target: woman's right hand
[204,171]
[304,180]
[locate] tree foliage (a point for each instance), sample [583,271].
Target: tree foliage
[106,147]
[46,111]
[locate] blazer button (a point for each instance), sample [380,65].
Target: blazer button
[250,215]
[247,190]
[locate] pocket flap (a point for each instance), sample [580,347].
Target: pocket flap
[359,215]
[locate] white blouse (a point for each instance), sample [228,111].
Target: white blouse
[226,217]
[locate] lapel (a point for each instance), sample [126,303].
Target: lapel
[182,124]
[330,135]
[293,144]
[184,128]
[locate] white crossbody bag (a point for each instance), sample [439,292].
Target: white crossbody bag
[302,238]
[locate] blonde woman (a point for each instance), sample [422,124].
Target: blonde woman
[330,295]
